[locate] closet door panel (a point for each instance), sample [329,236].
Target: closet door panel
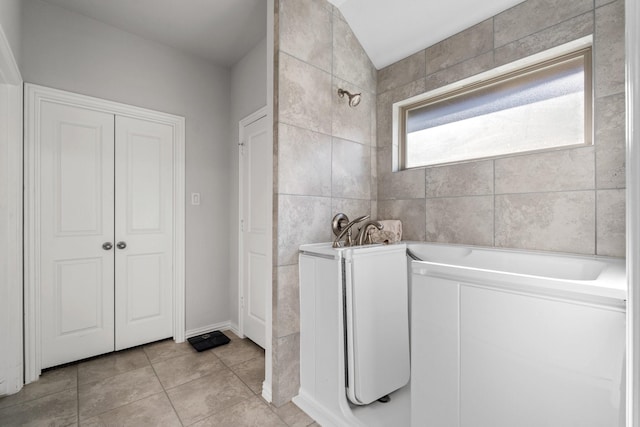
[144,223]
[76,219]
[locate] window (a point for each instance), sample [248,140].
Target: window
[522,107]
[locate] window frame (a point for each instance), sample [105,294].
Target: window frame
[578,48]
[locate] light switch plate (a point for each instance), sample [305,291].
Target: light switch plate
[195,198]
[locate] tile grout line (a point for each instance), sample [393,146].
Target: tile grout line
[76,385]
[254,394]
[164,390]
[36,398]
[122,406]
[244,382]
[583,190]
[128,403]
[150,364]
[540,30]
[273,410]
[216,412]
[297,126]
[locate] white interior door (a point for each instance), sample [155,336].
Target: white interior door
[144,231]
[255,214]
[86,187]
[76,227]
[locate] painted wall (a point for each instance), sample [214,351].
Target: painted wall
[325,153]
[569,200]
[248,94]
[10,198]
[10,236]
[68,51]
[11,22]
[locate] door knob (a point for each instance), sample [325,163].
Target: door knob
[107,246]
[121,245]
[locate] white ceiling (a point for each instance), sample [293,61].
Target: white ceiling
[221,31]
[392,30]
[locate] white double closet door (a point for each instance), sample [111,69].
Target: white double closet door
[106,232]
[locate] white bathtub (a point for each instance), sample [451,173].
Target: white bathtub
[555,273]
[505,338]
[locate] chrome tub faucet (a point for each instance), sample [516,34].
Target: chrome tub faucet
[342,227]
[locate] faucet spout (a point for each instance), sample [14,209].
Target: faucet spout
[365,232]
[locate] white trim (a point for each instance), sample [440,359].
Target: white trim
[268,351]
[233,329]
[220,326]
[632,33]
[34,96]
[317,411]
[266,390]
[253,117]
[242,124]
[399,108]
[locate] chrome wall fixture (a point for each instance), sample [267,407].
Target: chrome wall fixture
[354,98]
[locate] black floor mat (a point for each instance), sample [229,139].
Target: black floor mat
[209,340]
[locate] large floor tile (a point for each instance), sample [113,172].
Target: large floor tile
[111,364]
[249,413]
[166,349]
[98,397]
[251,373]
[232,336]
[205,396]
[58,409]
[154,410]
[293,416]
[238,351]
[182,369]
[52,381]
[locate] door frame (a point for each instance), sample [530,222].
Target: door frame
[262,112]
[35,95]
[11,220]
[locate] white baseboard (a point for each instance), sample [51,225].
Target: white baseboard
[318,412]
[235,329]
[221,326]
[266,392]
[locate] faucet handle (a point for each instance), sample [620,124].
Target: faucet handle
[338,223]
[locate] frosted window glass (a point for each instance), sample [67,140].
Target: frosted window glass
[530,111]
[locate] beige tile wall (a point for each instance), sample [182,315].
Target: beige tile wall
[325,155]
[570,200]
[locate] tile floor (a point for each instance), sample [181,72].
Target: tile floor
[159,384]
